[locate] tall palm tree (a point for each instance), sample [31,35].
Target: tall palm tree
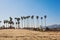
[37,25]
[45,19]
[22,21]
[28,21]
[41,22]
[15,22]
[16,25]
[32,24]
[5,22]
[45,22]
[10,22]
[18,22]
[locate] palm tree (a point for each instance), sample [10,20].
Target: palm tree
[45,22]
[15,23]
[45,19]
[37,25]
[37,17]
[28,20]
[25,19]
[18,22]
[22,21]
[41,22]
[10,22]
[5,22]
[32,24]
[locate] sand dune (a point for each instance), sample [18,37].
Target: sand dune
[22,34]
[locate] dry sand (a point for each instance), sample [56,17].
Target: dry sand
[22,34]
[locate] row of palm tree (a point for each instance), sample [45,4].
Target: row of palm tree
[23,20]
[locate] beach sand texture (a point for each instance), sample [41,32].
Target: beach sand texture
[22,34]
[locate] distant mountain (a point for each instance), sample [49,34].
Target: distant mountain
[54,26]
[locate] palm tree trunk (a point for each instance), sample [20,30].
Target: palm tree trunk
[6,25]
[41,25]
[37,25]
[45,23]
[32,24]
[41,22]
[27,23]
[10,25]
[18,26]
[22,23]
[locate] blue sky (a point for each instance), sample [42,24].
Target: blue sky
[18,8]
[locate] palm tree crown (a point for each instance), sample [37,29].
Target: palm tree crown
[37,17]
[0,21]
[41,18]
[22,18]
[10,18]
[32,17]
[45,16]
